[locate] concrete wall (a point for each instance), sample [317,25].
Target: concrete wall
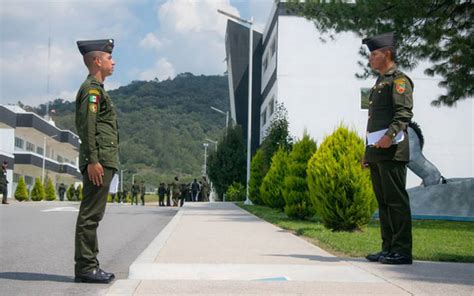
[316,83]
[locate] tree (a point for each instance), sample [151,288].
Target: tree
[235,192]
[50,191]
[79,192]
[434,30]
[227,164]
[37,193]
[257,173]
[21,193]
[271,190]
[71,192]
[296,193]
[339,187]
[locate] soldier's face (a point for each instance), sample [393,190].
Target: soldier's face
[107,64]
[377,59]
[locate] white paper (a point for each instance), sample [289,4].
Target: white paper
[114,184]
[374,137]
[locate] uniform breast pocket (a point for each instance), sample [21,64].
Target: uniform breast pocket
[382,96]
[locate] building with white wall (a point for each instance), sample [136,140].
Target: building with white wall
[315,80]
[32,145]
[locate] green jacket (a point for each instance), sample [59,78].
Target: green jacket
[390,107]
[96,124]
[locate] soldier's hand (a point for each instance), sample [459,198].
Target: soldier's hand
[95,171]
[364,163]
[384,142]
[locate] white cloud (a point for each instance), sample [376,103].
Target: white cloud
[162,70]
[150,41]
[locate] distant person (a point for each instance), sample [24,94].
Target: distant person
[142,192]
[390,112]
[61,191]
[175,191]
[184,190]
[194,190]
[205,189]
[96,124]
[161,195]
[4,182]
[168,195]
[135,191]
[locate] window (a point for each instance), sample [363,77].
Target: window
[29,180]
[16,178]
[271,106]
[263,117]
[39,150]
[364,98]
[19,143]
[30,147]
[265,63]
[273,47]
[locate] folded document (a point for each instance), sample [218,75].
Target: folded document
[374,137]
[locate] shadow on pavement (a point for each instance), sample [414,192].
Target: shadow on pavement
[29,276]
[310,257]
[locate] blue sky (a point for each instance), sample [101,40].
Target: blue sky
[153,38]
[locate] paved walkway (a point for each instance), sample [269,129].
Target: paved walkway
[220,249]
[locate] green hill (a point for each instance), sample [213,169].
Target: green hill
[162,124]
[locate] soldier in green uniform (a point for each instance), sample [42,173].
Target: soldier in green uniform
[390,111]
[175,192]
[96,125]
[142,192]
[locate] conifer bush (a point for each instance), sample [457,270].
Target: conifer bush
[271,190]
[298,205]
[37,193]
[256,177]
[339,187]
[235,192]
[71,193]
[21,193]
[79,192]
[50,191]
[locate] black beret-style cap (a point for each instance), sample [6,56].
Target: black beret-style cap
[105,45]
[380,41]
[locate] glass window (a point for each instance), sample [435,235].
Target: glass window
[19,143]
[39,150]
[364,98]
[30,147]
[263,117]
[265,63]
[271,106]
[16,177]
[29,180]
[273,47]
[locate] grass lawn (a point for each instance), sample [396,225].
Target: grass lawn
[433,240]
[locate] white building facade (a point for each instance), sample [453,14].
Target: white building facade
[36,148]
[315,80]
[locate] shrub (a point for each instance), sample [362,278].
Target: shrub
[37,193]
[296,193]
[21,193]
[71,192]
[235,192]
[79,192]
[50,191]
[256,177]
[339,187]
[271,190]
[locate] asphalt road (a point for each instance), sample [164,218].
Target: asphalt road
[37,245]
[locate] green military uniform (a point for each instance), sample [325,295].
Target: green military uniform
[96,125]
[175,193]
[142,193]
[390,106]
[135,191]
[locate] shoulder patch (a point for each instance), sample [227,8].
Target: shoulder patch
[93,108]
[400,85]
[94,92]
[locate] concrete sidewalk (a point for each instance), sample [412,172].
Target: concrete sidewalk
[220,249]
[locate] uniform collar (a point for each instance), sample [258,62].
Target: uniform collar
[391,70]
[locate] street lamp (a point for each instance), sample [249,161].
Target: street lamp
[212,141]
[44,156]
[226,116]
[249,121]
[205,159]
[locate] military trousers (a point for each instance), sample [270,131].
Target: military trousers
[90,214]
[389,181]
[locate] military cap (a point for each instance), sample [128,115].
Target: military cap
[105,45]
[380,41]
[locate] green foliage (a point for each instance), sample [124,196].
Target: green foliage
[438,31]
[79,192]
[339,187]
[21,193]
[271,190]
[71,193]
[37,193]
[50,191]
[296,193]
[227,164]
[257,172]
[277,136]
[235,192]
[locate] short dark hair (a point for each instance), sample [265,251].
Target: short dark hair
[392,50]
